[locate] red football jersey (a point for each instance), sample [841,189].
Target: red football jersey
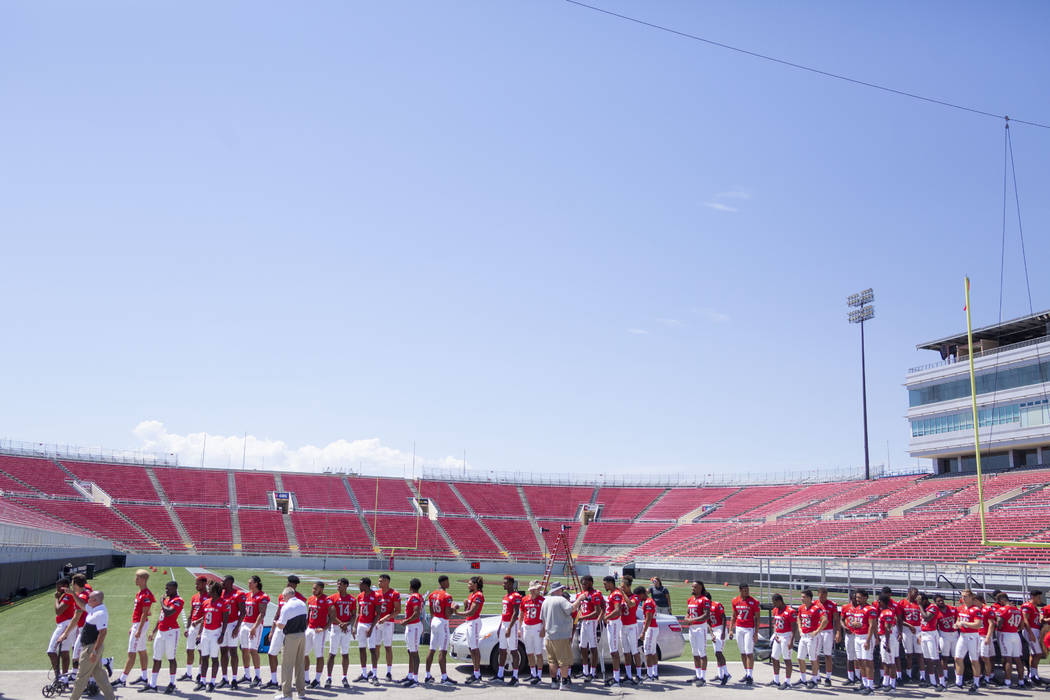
[475,598]
[697,606]
[631,616]
[344,606]
[718,614]
[859,618]
[745,611]
[614,605]
[783,619]
[317,612]
[413,604]
[71,607]
[946,621]
[810,617]
[968,614]
[440,603]
[83,595]
[932,624]
[830,607]
[530,610]
[213,612]
[143,600]
[511,601]
[591,600]
[910,612]
[987,616]
[887,621]
[649,606]
[252,605]
[367,607]
[1031,614]
[197,606]
[171,622]
[388,602]
[1009,618]
[234,599]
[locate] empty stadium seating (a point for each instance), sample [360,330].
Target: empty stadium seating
[622,533]
[262,531]
[745,500]
[492,499]
[318,491]
[254,488]
[121,481]
[42,474]
[383,495]
[15,514]
[210,528]
[677,502]
[556,501]
[625,503]
[333,534]
[155,521]
[182,485]
[95,518]
[470,540]
[632,523]
[441,494]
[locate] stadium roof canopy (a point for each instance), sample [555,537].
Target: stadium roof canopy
[1016,330]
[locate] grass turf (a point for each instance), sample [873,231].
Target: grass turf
[31,620]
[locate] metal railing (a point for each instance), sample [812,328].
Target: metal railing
[86,454]
[983,353]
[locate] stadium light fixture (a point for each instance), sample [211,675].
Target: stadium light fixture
[861,310]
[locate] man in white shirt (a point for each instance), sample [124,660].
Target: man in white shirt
[92,638]
[292,624]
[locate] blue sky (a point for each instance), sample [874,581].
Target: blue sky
[556,240]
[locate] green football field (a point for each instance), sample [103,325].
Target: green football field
[31,621]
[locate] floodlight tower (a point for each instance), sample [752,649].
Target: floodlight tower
[861,310]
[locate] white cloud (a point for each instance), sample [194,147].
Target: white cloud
[637,331]
[718,206]
[367,454]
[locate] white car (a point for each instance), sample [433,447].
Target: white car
[669,643]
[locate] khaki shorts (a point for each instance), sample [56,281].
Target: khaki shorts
[559,652]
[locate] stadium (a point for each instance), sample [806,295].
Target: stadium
[67,510]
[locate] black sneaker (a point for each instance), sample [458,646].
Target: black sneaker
[865,690]
[315,683]
[699,682]
[200,685]
[222,684]
[412,683]
[827,682]
[554,683]
[633,681]
[139,681]
[534,680]
[256,682]
[170,689]
[471,680]
[973,688]
[449,681]
[327,682]
[346,683]
[724,679]
[748,680]
[775,684]
[185,676]
[811,685]
[118,684]
[429,679]
[390,677]
[270,684]
[211,687]
[785,685]
[513,681]
[374,680]
[233,684]
[148,689]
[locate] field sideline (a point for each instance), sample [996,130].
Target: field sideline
[31,621]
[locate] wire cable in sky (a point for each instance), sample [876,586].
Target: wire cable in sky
[810,69]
